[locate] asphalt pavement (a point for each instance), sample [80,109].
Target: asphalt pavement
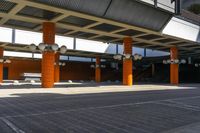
[153,111]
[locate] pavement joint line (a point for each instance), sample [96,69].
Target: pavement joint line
[183,98]
[111,119]
[82,95]
[101,107]
[12,126]
[183,106]
[183,129]
[100,94]
[107,124]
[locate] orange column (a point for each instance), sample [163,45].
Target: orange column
[1,66]
[174,79]
[98,70]
[48,57]
[127,63]
[57,68]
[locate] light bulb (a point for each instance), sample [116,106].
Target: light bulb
[32,47]
[63,49]
[42,46]
[55,47]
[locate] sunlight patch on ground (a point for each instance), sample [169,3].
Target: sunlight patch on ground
[84,89]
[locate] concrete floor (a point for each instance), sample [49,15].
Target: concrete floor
[100,109]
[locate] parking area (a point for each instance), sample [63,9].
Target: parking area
[101,109]
[99,66]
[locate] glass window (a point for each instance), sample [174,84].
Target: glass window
[17,54]
[28,37]
[82,59]
[88,45]
[64,57]
[111,49]
[166,4]
[120,49]
[38,56]
[138,51]
[155,53]
[6,34]
[67,41]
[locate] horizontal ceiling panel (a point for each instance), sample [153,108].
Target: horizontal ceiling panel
[38,13]
[138,14]
[94,7]
[6,6]
[126,11]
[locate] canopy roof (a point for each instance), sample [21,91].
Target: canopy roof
[102,20]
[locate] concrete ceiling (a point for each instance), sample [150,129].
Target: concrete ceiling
[101,20]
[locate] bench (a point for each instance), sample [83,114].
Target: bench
[31,76]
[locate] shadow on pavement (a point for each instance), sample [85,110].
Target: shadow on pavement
[140,112]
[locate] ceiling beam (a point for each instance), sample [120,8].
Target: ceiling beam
[82,15]
[13,11]
[92,25]
[120,30]
[64,12]
[142,34]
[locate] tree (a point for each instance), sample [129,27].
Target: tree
[195,8]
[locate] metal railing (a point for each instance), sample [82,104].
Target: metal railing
[172,6]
